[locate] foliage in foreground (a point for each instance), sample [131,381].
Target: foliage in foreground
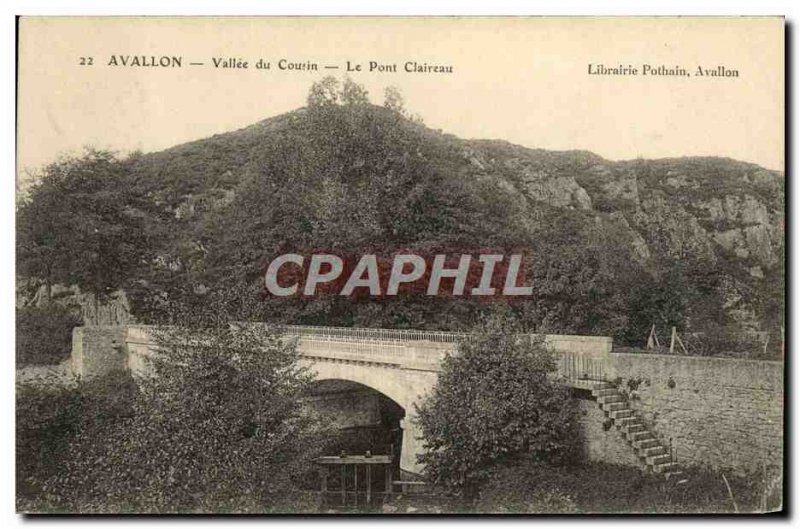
[494,401]
[51,421]
[524,486]
[217,426]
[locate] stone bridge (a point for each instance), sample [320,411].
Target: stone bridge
[723,412]
[403,365]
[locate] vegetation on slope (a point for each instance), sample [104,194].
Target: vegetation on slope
[611,247]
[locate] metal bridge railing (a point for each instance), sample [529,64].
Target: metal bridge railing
[576,366]
[364,334]
[330,346]
[573,366]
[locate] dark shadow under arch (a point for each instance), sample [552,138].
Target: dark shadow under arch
[366,419]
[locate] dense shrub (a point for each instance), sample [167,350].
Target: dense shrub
[44,334]
[218,425]
[494,401]
[52,421]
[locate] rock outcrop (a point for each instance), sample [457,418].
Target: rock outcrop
[113,309]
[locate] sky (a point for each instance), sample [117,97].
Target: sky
[524,80]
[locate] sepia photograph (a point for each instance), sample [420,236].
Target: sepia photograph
[399,266]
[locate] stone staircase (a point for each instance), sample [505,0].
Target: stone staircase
[650,450]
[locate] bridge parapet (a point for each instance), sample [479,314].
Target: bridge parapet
[578,357]
[595,345]
[421,355]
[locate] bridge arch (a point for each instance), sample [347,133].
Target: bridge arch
[369,419]
[381,380]
[405,387]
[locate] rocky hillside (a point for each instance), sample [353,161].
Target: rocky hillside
[110,309]
[719,204]
[614,246]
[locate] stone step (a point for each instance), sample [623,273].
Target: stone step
[608,399]
[603,385]
[627,421]
[637,436]
[664,468]
[646,443]
[619,414]
[675,475]
[653,451]
[410,486]
[614,406]
[640,436]
[604,392]
[658,460]
[635,427]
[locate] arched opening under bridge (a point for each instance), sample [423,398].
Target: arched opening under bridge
[365,419]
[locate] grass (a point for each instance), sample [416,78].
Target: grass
[605,488]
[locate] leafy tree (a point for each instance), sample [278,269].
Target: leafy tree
[349,176]
[393,100]
[771,297]
[494,401]
[354,93]
[323,92]
[217,425]
[661,299]
[582,275]
[84,222]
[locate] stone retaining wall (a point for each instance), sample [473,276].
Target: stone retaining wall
[601,443]
[723,412]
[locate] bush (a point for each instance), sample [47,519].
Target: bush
[494,401]
[218,427]
[44,334]
[52,421]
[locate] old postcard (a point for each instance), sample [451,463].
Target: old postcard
[400,265]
